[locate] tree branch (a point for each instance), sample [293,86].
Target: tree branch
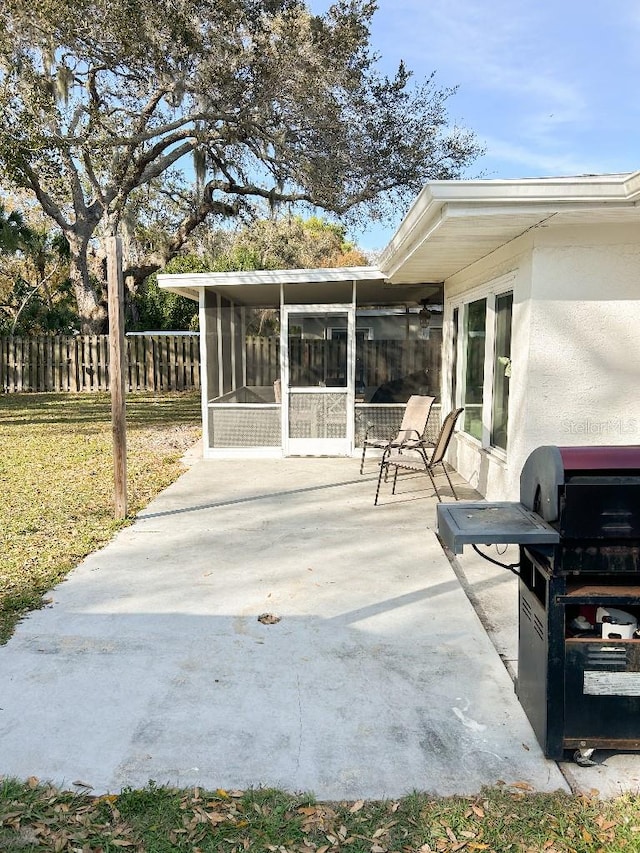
[45,200]
[207,207]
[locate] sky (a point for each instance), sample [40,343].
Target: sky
[549,88]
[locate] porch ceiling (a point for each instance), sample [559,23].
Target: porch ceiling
[261,288]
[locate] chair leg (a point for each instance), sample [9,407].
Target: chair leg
[444,468]
[364,450]
[383,466]
[395,480]
[433,483]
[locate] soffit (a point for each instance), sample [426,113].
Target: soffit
[454,224]
[458,242]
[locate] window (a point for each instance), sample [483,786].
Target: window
[474,339]
[501,370]
[481,364]
[454,361]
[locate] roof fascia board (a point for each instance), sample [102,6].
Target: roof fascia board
[580,188]
[296,276]
[633,186]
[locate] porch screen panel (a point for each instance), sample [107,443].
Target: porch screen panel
[244,426]
[317,415]
[226,316]
[210,332]
[317,362]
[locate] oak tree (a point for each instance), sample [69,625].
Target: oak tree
[253,100]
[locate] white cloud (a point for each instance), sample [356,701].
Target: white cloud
[531,161]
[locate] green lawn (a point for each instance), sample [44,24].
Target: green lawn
[35,817]
[56,481]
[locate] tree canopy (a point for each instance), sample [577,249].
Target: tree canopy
[258,100]
[275,243]
[34,282]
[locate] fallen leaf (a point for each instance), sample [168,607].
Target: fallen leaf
[478,812]
[356,806]
[522,786]
[605,824]
[586,836]
[33,782]
[268,618]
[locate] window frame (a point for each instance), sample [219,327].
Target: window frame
[458,309]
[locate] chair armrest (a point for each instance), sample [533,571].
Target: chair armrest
[372,432]
[411,438]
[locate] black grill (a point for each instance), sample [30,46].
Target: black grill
[579,591]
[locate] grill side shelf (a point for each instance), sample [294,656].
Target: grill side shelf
[491,523]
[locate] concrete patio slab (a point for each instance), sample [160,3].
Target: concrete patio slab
[377,679]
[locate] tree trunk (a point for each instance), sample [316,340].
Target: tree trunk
[89,300]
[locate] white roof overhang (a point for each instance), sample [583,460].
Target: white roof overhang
[453,224]
[261,288]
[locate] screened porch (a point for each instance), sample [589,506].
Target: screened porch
[302,362]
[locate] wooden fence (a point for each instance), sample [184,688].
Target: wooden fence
[81,363]
[172,362]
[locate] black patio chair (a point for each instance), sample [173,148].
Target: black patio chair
[414,422]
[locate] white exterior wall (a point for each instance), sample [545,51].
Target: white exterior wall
[575,346]
[584,361]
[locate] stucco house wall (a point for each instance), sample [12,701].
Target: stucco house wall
[575,347]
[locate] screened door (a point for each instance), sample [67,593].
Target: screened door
[317,348]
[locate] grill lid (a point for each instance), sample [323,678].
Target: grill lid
[622,459]
[549,467]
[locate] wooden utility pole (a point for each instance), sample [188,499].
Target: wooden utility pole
[117,356]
